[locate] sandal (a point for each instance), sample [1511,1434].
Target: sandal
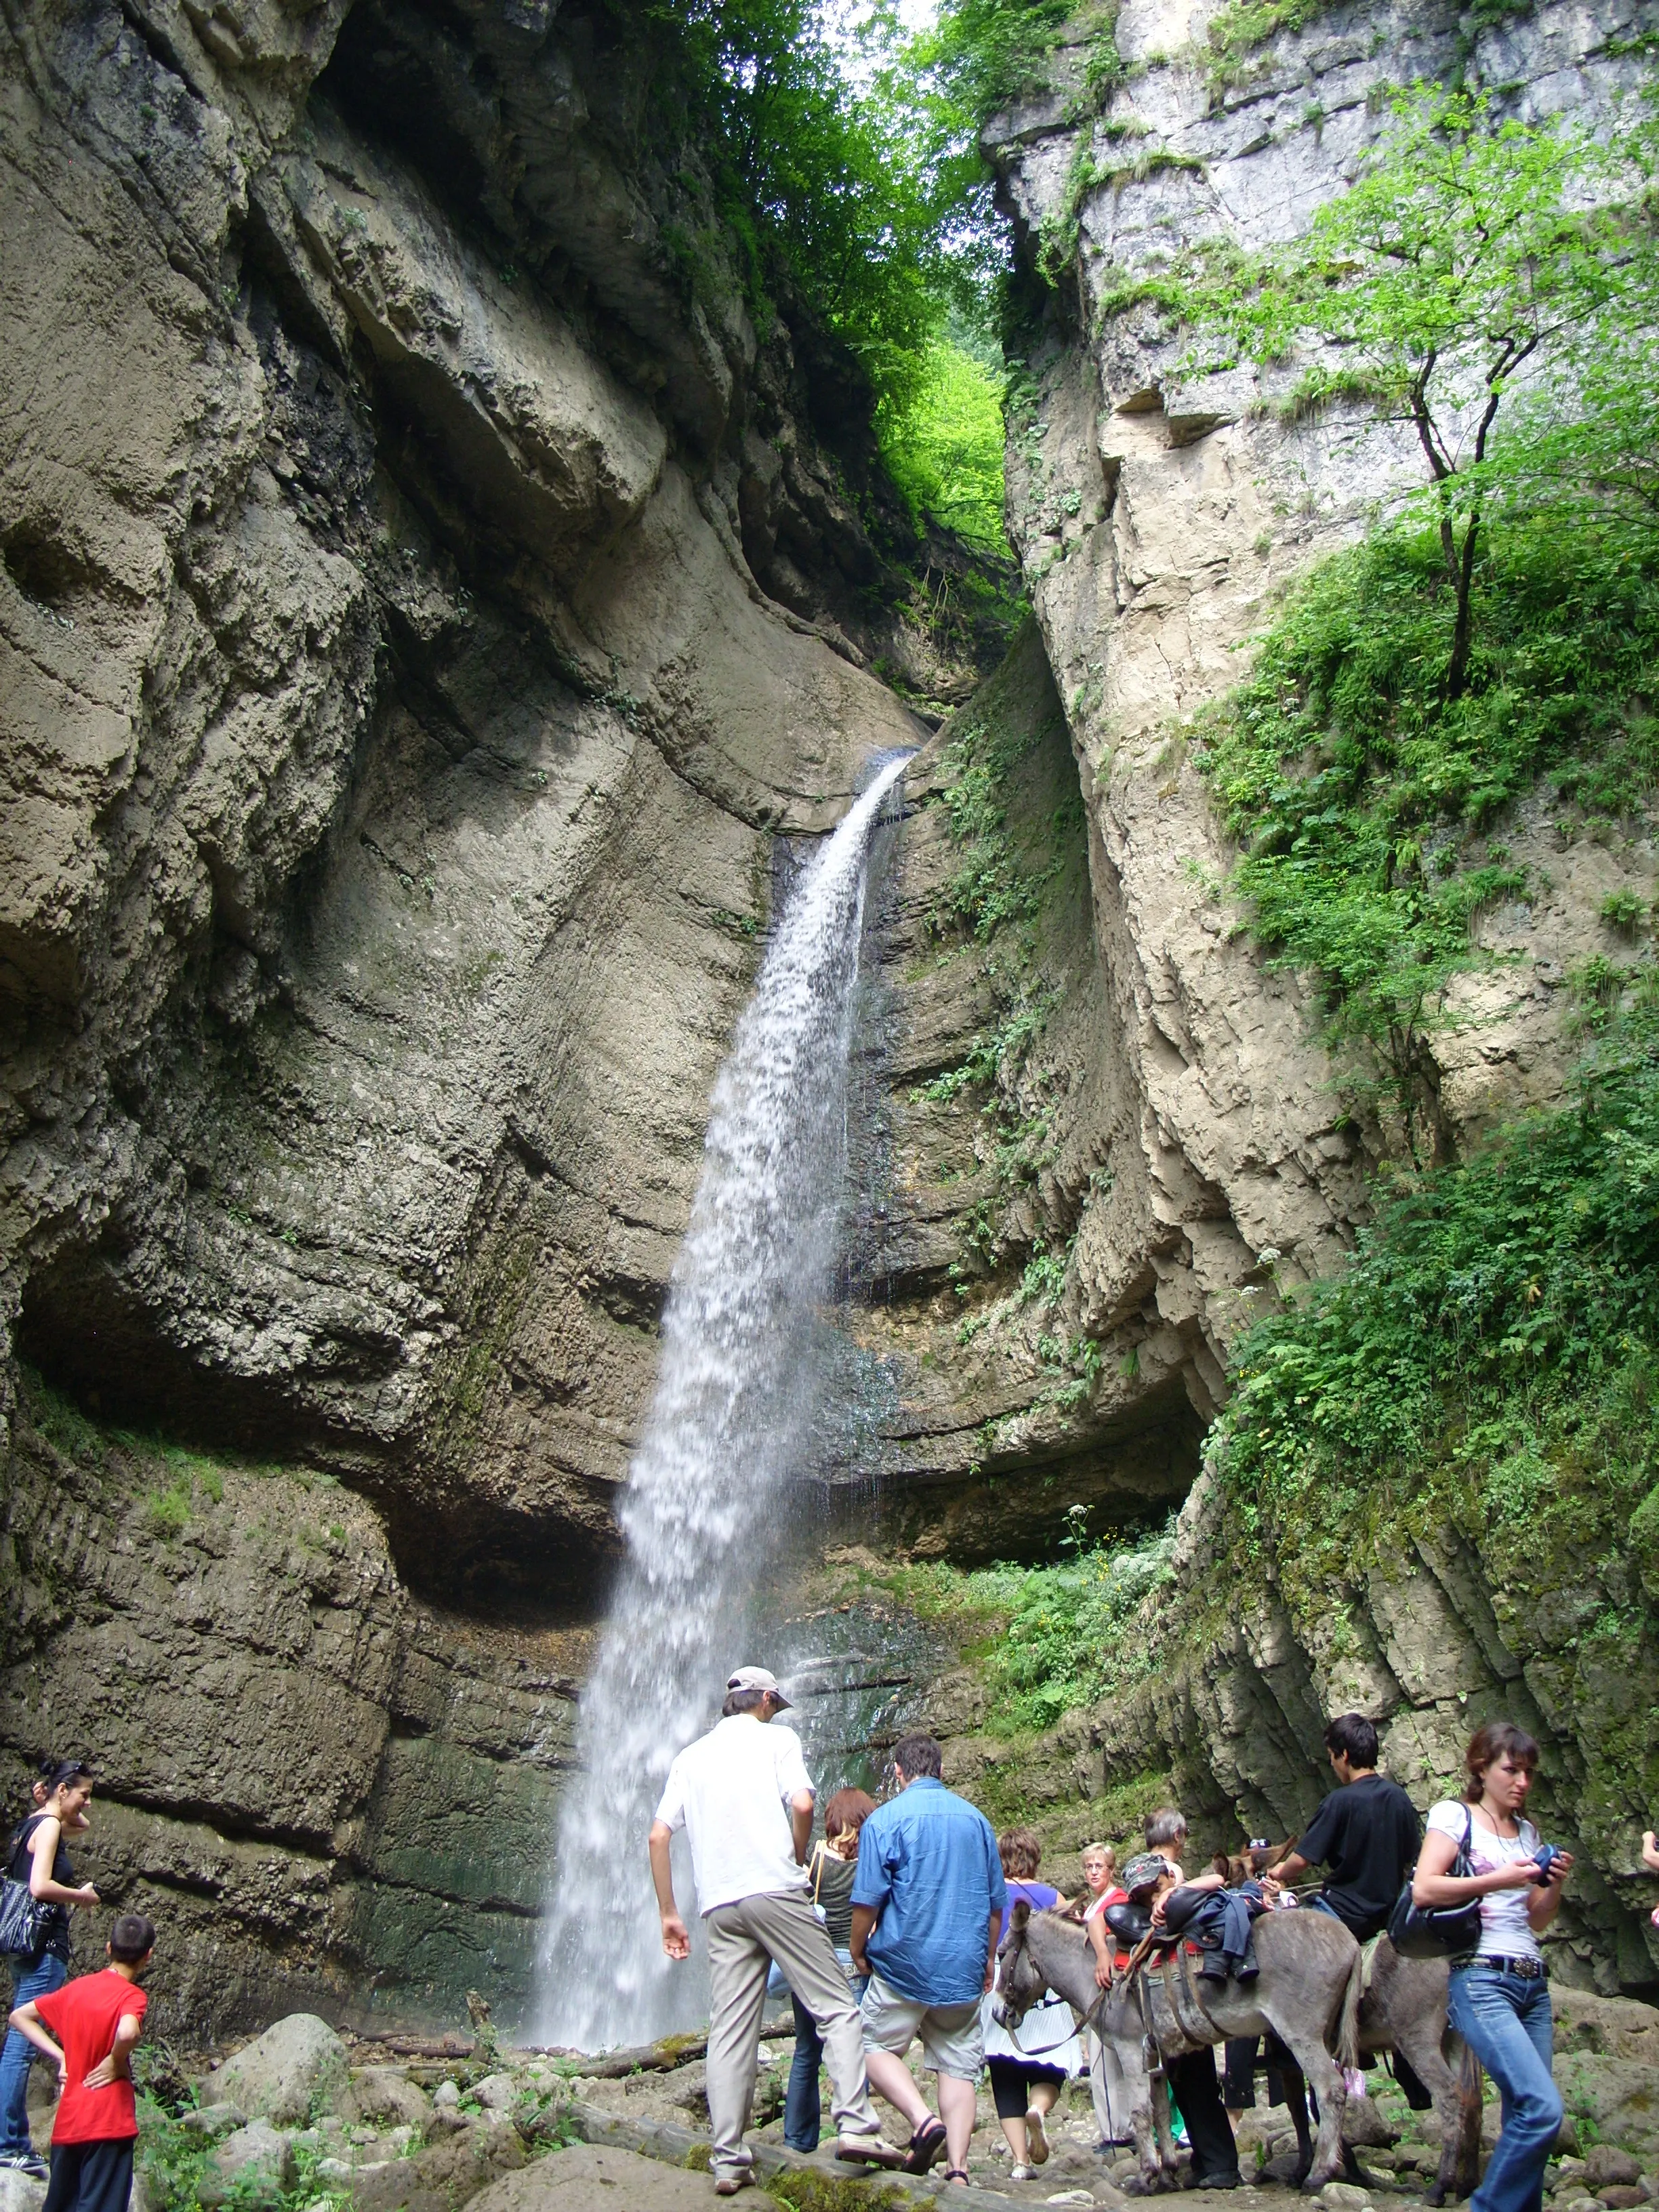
[957,2173]
[926,2145]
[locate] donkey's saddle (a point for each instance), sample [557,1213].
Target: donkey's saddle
[1130,1923]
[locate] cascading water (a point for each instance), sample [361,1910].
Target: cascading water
[730,1423]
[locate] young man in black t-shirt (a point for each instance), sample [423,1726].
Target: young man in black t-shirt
[1366,1834]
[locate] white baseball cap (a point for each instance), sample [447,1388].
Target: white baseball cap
[757,1678]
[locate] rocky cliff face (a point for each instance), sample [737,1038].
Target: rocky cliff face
[425,597]
[1197,1154]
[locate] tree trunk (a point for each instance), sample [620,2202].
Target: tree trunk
[1457,670]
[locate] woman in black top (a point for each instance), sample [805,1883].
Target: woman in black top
[832,1871]
[38,1858]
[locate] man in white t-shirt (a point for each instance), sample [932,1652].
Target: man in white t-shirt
[742,1796]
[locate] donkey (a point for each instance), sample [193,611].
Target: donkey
[1403,2008]
[1307,1994]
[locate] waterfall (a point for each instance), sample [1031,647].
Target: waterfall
[731,1422]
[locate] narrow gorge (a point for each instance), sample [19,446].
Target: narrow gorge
[451,590]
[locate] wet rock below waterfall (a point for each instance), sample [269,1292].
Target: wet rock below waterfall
[282,2074]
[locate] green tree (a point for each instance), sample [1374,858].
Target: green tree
[943,445]
[812,173]
[1464,257]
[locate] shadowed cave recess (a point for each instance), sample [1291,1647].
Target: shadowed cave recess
[447,618]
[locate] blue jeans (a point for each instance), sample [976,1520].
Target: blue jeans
[36,1978]
[803,2114]
[1506,2021]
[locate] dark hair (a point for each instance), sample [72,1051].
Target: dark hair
[1020,1852]
[1352,1737]
[848,1809]
[1497,1740]
[132,1938]
[743,1701]
[55,1772]
[919,1755]
[1166,1826]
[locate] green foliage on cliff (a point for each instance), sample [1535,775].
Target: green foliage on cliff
[813,173]
[1470,256]
[1504,626]
[1047,1639]
[836,175]
[1362,795]
[1490,1360]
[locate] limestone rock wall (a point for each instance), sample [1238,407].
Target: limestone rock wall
[321,1791]
[1155,520]
[423,597]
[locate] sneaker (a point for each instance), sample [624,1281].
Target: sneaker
[730,2184]
[870,2150]
[1022,2173]
[1036,2138]
[27,2161]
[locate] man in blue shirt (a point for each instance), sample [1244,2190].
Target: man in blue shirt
[927,1914]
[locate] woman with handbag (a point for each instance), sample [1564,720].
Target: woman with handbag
[832,1870]
[39,1891]
[1482,1853]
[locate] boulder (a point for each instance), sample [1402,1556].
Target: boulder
[1606,2162]
[241,2160]
[1343,2196]
[1620,2095]
[19,2192]
[496,2093]
[381,2096]
[446,2097]
[213,2120]
[1366,2126]
[284,2072]
[449,2174]
[1612,2028]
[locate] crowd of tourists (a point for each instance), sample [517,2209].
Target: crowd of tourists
[888,1932]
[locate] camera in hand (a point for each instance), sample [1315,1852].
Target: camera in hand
[1545,1856]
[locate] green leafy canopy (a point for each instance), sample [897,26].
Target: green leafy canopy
[1466,256]
[842,170]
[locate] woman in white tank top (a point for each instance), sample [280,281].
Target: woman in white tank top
[1500,1999]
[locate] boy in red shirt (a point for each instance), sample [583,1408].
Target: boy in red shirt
[95,2022]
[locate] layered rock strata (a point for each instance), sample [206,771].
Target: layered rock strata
[1158,518]
[1201,1153]
[423,597]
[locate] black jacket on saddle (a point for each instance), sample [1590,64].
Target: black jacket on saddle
[1219,1922]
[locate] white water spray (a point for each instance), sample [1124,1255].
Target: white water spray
[730,1424]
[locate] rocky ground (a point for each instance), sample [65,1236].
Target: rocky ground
[299,2120]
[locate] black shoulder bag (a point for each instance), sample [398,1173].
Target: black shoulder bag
[26,1920]
[1438,1931]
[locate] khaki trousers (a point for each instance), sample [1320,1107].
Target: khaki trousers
[743,1941]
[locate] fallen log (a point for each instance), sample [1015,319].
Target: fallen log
[418,2047]
[659,2057]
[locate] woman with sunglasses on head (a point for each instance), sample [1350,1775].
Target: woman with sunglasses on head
[1499,2000]
[37,1856]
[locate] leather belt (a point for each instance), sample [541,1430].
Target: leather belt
[1529,1969]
